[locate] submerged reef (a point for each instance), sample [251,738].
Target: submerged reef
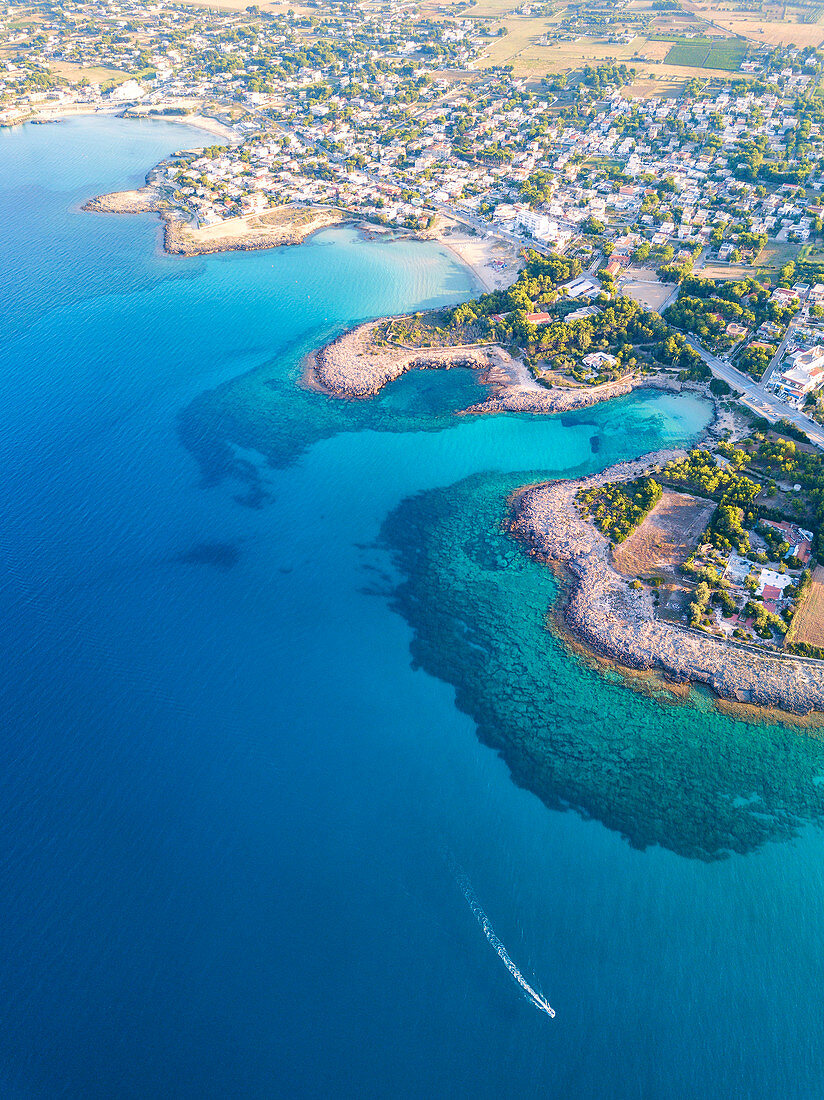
[679,774]
[265,411]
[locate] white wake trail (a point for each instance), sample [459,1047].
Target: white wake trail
[539,1001]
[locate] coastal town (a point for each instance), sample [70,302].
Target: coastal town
[627,230]
[412,549]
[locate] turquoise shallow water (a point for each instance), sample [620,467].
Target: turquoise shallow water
[227,789]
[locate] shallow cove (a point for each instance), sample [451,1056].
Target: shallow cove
[225,790]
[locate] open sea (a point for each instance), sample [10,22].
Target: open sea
[284,734]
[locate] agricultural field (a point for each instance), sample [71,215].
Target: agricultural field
[524,49]
[774,25]
[666,537]
[484,9]
[242,5]
[808,624]
[531,56]
[708,53]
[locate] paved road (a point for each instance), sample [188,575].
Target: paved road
[759,399]
[776,359]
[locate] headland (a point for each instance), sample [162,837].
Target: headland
[270,229]
[360,362]
[619,622]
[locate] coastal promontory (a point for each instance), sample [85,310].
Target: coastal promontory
[619,620]
[273,228]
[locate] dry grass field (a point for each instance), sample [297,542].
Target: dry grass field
[666,538]
[715,270]
[808,625]
[95,75]
[525,49]
[643,286]
[774,25]
[647,87]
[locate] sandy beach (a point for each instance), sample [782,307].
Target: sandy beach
[197,121]
[494,264]
[212,126]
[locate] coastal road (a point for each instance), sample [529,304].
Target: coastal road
[759,399]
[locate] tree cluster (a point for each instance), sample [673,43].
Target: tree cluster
[617,508]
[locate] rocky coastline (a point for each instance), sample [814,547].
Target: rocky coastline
[615,622]
[357,366]
[270,229]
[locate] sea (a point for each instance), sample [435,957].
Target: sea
[300,794]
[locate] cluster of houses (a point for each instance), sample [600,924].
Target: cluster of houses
[800,371]
[341,155]
[378,123]
[157,51]
[767,584]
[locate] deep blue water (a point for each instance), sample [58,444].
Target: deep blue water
[226,793]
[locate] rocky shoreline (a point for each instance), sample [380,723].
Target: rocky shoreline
[142,200]
[271,229]
[612,620]
[355,366]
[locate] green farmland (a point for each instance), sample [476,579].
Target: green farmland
[707,53]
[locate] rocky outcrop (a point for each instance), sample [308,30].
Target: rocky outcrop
[270,229]
[511,397]
[617,622]
[142,200]
[356,365]
[360,363]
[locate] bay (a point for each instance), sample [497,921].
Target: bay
[233,809]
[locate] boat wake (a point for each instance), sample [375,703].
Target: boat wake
[531,994]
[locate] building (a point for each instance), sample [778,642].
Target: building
[804,372]
[799,540]
[582,287]
[772,582]
[598,359]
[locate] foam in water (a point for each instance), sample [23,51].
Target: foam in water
[536,998]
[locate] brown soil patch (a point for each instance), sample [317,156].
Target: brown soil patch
[809,620]
[666,538]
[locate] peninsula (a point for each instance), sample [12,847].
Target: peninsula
[361,362]
[699,565]
[285,225]
[619,620]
